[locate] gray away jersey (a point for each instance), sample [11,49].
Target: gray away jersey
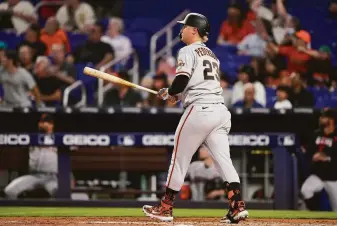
[43,159]
[200,64]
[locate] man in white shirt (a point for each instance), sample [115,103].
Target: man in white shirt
[114,37]
[278,16]
[17,14]
[254,44]
[75,15]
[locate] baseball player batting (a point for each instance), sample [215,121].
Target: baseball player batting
[206,120]
[42,166]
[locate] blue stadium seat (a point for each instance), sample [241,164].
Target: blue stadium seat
[1,91]
[224,49]
[321,95]
[333,99]
[151,25]
[11,38]
[270,95]
[89,82]
[76,40]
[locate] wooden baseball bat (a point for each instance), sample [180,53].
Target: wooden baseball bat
[110,78]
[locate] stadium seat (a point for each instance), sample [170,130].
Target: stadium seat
[89,82]
[333,99]
[271,95]
[321,95]
[150,25]
[11,38]
[1,91]
[76,39]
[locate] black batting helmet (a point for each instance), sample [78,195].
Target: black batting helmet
[198,21]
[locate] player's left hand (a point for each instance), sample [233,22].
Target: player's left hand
[163,94]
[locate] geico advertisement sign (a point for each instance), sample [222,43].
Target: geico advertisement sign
[158,140]
[90,140]
[248,140]
[234,140]
[14,139]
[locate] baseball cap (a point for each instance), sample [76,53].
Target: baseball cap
[304,35]
[47,118]
[3,45]
[325,49]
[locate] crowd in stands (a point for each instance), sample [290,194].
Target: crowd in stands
[283,71]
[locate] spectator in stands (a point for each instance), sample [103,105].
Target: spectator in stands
[247,75]
[282,101]
[75,15]
[62,70]
[271,74]
[167,65]
[94,50]
[17,14]
[286,81]
[32,39]
[248,100]
[17,82]
[114,37]
[235,28]
[320,66]
[53,34]
[159,82]
[333,9]
[250,14]
[105,9]
[258,64]
[47,11]
[278,17]
[300,97]
[227,92]
[333,83]
[294,26]
[26,58]
[49,85]
[122,95]
[254,44]
[296,54]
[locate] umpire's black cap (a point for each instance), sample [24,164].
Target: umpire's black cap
[329,114]
[198,21]
[47,118]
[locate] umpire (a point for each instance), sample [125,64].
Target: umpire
[322,151]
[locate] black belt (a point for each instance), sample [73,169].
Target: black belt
[39,172]
[205,103]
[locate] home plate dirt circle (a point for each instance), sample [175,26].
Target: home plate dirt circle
[133,221]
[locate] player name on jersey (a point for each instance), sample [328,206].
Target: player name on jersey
[201,51]
[137,139]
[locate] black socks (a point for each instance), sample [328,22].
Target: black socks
[170,196]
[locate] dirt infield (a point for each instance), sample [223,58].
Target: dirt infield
[126,221]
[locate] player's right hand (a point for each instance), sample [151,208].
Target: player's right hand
[163,94]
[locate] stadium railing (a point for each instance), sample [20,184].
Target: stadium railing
[134,71]
[170,41]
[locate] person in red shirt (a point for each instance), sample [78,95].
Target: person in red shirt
[296,54]
[251,15]
[235,28]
